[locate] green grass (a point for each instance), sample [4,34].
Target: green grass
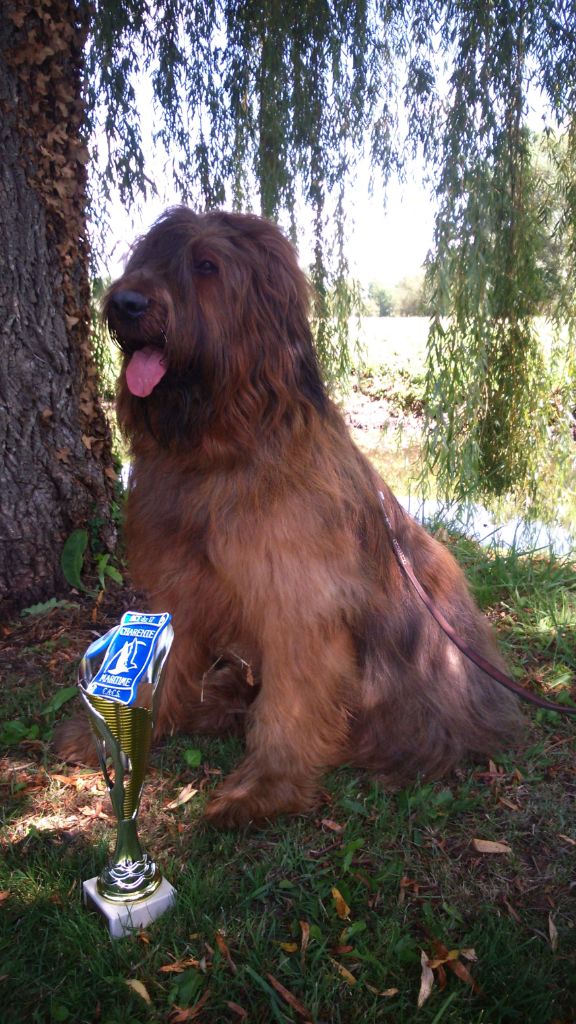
[404,865]
[398,341]
[256,906]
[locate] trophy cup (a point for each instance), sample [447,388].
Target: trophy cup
[119,680]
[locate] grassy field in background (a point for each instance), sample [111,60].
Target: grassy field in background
[458,894]
[401,340]
[393,340]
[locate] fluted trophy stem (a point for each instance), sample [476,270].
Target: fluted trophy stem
[120,699]
[127,842]
[131,875]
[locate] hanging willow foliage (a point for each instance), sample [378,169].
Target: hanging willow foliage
[487,395]
[270,104]
[254,102]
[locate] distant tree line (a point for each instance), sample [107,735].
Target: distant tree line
[409,297]
[552,247]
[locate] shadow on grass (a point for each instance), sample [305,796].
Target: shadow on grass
[262,905]
[333,908]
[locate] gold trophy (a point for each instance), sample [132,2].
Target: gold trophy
[119,681]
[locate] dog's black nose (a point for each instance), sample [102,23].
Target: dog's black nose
[129,304]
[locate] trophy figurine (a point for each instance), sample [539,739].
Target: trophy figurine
[119,681]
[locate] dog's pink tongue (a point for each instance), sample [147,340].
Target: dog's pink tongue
[144,371]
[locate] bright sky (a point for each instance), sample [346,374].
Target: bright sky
[391,240]
[391,237]
[386,244]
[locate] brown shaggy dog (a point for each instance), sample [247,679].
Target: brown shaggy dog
[254,519]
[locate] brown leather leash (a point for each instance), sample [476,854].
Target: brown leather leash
[468,652]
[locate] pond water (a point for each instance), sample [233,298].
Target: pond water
[478,523]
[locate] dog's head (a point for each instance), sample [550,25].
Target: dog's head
[211,315]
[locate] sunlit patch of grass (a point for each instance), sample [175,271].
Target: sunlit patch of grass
[534,598]
[262,907]
[332,908]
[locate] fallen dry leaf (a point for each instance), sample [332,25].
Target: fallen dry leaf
[66,780]
[221,943]
[513,913]
[183,797]
[444,958]
[451,959]
[238,1010]
[344,972]
[305,929]
[288,997]
[332,825]
[342,908]
[489,846]
[462,972]
[181,1014]
[406,884]
[180,965]
[508,803]
[289,947]
[387,993]
[442,977]
[553,933]
[426,979]
[567,839]
[139,988]
[4,895]
[470,954]
[95,811]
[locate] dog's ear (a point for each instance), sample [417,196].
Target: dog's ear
[309,376]
[286,297]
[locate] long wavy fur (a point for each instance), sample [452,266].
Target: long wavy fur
[253,518]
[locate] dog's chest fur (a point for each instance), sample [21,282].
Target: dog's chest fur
[233,543]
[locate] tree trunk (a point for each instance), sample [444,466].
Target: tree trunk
[56,471]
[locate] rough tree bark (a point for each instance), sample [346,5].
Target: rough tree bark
[56,469]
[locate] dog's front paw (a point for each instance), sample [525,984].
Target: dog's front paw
[73,741]
[241,801]
[225,811]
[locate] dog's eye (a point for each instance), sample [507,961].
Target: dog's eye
[205,268]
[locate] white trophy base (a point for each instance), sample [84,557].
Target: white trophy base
[123,918]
